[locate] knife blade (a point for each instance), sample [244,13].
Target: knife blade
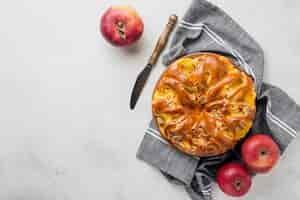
[139,85]
[145,73]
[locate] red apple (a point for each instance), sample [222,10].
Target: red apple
[234,179]
[121,25]
[260,153]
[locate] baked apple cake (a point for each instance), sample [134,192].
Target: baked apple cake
[203,104]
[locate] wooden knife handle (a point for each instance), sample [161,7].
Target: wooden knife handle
[163,38]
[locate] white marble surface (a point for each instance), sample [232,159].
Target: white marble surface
[66,131]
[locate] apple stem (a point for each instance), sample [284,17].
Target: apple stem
[121,29]
[238,184]
[263,152]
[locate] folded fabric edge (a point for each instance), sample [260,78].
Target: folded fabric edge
[167,159]
[283,109]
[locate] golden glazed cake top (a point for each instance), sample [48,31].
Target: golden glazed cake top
[203,104]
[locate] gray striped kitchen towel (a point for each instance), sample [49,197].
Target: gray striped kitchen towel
[207,28]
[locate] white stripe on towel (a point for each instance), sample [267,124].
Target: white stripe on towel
[148,131]
[212,37]
[219,40]
[154,131]
[281,123]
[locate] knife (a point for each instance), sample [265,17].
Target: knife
[143,75]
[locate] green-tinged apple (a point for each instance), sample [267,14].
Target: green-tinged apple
[121,25]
